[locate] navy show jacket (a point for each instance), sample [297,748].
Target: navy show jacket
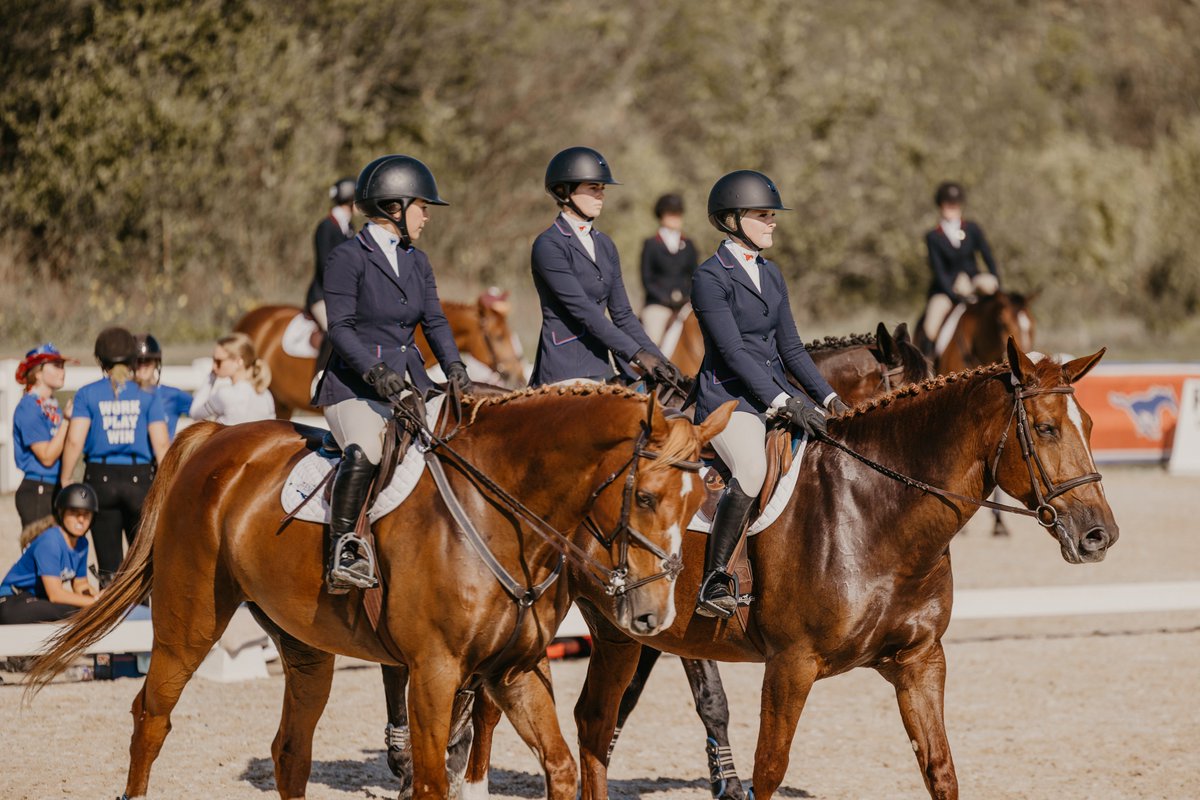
[749,337]
[373,315]
[946,260]
[575,290]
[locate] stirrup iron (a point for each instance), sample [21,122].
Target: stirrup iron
[342,578]
[711,608]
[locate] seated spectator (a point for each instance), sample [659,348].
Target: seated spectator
[38,430]
[147,371]
[236,391]
[49,580]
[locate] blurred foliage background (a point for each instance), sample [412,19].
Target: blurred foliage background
[163,164]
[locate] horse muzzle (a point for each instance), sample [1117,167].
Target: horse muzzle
[1090,547]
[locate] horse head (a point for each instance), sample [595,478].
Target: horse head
[1048,464]
[504,350]
[1002,316]
[651,500]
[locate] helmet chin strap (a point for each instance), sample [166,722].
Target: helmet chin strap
[738,233]
[401,222]
[569,203]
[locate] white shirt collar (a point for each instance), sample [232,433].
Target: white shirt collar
[580,227]
[671,238]
[953,230]
[384,238]
[342,215]
[741,254]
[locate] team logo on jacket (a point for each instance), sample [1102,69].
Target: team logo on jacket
[1147,409]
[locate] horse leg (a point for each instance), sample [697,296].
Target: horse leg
[308,676]
[920,691]
[432,689]
[633,692]
[462,734]
[396,735]
[786,684]
[196,627]
[485,715]
[528,701]
[614,660]
[713,707]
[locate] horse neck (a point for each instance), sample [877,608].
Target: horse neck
[467,330]
[943,437]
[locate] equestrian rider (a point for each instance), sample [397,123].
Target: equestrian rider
[378,287]
[331,231]
[577,273]
[148,374]
[741,302]
[952,247]
[668,261]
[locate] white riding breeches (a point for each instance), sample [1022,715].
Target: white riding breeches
[937,309]
[360,422]
[743,448]
[320,314]
[986,283]
[654,321]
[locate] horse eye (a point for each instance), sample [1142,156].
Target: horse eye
[646,500]
[1046,429]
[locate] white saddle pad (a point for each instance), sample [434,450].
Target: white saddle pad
[297,337]
[946,334]
[674,331]
[775,506]
[312,469]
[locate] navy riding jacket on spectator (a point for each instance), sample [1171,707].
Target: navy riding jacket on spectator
[373,314]
[575,291]
[749,337]
[667,276]
[329,235]
[947,261]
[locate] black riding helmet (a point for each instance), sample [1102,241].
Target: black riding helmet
[342,192]
[148,348]
[77,496]
[738,192]
[115,346]
[574,166]
[395,178]
[949,192]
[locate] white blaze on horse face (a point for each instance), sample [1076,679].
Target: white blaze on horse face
[676,544]
[686,485]
[1075,414]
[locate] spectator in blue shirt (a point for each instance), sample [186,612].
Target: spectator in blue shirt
[38,430]
[119,429]
[148,372]
[49,580]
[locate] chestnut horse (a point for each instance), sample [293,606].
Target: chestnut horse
[480,330]
[984,327]
[211,539]
[856,572]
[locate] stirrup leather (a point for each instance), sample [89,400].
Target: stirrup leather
[340,576]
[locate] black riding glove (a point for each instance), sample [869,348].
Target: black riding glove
[386,382]
[837,406]
[457,377]
[657,369]
[805,417]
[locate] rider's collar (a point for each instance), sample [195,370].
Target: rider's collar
[741,254]
[580,227]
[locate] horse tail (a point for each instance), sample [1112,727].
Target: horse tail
[135,577]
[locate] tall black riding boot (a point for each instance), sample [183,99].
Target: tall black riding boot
[349,563]
[733,512]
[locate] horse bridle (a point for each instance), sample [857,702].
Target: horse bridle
[624,533]
[886,375]
[1045,514]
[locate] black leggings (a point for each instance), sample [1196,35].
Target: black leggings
[19,609]
[34,500]
[121,489]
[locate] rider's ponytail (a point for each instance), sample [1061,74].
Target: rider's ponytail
[260,375]
[239,346]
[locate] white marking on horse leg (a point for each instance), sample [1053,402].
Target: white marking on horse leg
[686,488]
[475,791]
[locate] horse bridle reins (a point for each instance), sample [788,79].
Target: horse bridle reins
[1045,514]
[886,375]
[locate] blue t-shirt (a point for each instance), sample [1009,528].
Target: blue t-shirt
[119,422]
[176,403]
[35,422]
[48,554]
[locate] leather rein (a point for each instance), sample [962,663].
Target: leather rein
[1045,514]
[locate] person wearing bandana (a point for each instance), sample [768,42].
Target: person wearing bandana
[39,432]
[954,246]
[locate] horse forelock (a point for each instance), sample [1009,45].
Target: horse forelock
[680,444]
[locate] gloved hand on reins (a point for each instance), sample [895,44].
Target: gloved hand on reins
[805,417]
[386,382]
[457,377]
[837,406]
[658,369]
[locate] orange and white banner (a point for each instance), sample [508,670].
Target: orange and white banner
[1134,408]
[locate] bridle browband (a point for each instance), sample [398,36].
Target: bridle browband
[1045,514]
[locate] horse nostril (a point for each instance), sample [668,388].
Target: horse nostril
[1095,539]
[646,622]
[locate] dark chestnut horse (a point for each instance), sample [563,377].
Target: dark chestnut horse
[480,330]
[856,572]
[984,327]
[860,367]
[211,538]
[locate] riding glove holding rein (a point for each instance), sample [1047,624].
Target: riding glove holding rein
[386,382]
[837,406]
[658,369]
[457,377]
[805,417]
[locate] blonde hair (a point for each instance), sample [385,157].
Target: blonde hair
[36,529]
[239,345]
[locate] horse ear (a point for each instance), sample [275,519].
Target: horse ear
[1074,370]
[901,333]
[887,345]
[1021,365]
[715,422]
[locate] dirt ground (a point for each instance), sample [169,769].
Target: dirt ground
[1053,707]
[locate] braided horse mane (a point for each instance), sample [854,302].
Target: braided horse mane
[680,444]
[841,342]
